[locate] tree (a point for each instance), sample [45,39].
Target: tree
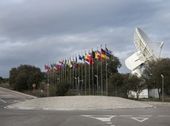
[133,83]
[152,74]
[116,85]
[1,80]
[22,77]
[62,89]
[113,65]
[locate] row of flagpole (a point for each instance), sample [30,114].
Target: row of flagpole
[81,75]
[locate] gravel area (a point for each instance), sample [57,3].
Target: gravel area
[79,103]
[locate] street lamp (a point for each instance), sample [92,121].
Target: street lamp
[162,76]
[161,46]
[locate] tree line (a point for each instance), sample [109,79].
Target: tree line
[24,76]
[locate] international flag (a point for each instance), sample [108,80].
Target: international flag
[108,52]
[103,54]
[47,67]
[98,55]
[58,67]
[93,54]
[52,66]
[89,59]
[61,61]
[69,64]
[80,57]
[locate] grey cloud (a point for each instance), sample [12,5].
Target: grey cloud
[38,32]
[35,18]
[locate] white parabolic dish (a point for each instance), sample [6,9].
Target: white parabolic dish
[145,52]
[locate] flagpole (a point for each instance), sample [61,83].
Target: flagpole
[70,73]
[85,79]
[89,79]
[92,81]
[82,79]
[48,78]
[101,79]
[106,76]
[97,78]
[92,72]
[106,80]
[101,73]
[79,75]
[65,72]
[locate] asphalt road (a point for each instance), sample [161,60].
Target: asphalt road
[159,116]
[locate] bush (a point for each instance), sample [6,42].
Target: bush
[23,77]
[62,89]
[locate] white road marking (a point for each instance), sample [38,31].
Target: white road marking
[103,118]
[139,119]
[3,100]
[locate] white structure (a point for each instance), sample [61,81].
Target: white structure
[143,94]
[146,51]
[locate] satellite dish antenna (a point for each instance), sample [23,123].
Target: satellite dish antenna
[145,52]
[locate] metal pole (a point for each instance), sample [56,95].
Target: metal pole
[89,80]
[78,87]
[101,80]
[92,81]
[161,45]
[106,81]
[85,81]
[162,76]
[97,82]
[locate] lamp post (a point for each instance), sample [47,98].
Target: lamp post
[161,46]
[162,76]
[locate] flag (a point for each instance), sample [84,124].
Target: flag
[47,67]
[108,52]
[74,63]
[61,61]
[58,67]
[52,66]
[89,59]
[103,54]
[80,57]
[83,58]
[93,54]
[70,64]
[98,55]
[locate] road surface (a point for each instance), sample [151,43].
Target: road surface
[157,116]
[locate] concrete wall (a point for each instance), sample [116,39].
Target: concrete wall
[145,94]
[153,93]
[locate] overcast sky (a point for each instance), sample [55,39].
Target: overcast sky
[38,32]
